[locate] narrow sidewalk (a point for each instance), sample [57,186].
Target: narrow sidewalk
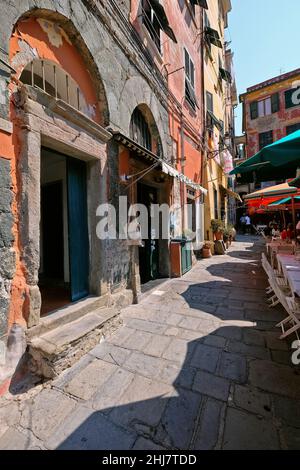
[196,365]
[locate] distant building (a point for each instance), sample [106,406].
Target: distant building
[271,110]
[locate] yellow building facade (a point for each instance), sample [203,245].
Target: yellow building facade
[218,85]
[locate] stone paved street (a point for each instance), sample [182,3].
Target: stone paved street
[196,365]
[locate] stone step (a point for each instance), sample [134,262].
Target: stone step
[67,314]
[58,349]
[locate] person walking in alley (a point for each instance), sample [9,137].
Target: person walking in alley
[248,225]
[243,224]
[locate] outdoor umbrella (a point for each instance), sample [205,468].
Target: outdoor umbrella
[280,159]
[265,197]
[285,201]
[276,191]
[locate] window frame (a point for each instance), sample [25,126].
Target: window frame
[265,142]
[190,77]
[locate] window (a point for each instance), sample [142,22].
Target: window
[265,138]
[139,130]
[52,79]
[151,22]
[190,80]
[293,128]
[292,98]
[265,107]
[155,19]
[209,102]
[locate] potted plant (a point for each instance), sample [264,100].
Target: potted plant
[232,233]
[226,237]
[207,249]
[218,229]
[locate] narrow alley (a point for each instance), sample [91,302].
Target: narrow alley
[198,364]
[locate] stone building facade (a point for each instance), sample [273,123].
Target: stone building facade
[98,100]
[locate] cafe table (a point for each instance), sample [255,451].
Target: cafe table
[289,265]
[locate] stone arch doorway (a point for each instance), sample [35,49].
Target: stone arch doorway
[61,153]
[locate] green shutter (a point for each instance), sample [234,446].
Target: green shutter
[254,110]
[275,103]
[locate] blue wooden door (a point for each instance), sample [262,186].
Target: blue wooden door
[78,228]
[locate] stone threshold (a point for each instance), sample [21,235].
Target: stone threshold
[63,337]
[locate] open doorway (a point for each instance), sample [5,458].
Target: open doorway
[64,247]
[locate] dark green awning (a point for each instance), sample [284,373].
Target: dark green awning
[279,160]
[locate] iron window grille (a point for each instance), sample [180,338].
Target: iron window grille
[53,80]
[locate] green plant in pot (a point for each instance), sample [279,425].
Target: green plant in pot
[218,229]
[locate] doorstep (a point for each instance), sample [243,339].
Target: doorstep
[63,337]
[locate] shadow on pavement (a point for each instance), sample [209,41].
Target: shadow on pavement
[229,392]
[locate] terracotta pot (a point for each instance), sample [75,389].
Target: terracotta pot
[218,236]
[206,253]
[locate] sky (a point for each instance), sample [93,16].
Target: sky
[265,37]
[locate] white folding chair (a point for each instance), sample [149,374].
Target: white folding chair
[290,324]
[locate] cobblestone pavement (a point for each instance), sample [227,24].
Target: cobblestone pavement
[196,365]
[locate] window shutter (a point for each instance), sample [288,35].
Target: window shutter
[192,72]
[187,64]
[275,103]
[254,110]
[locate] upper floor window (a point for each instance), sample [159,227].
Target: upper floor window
[265,107]
[292,98]
[155,19]
[293,128]
[209,102]
[265,138]
[190,80]
[139,130]
[151,22]
[52,79]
